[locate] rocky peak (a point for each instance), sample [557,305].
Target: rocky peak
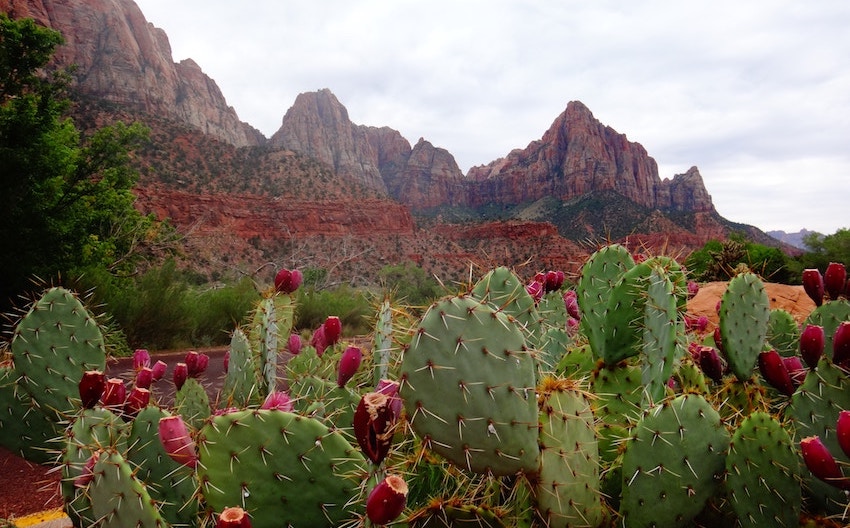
[685,192]
[123,59]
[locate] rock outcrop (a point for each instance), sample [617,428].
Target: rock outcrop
[121,58]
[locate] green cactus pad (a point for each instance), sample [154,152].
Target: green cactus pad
[468,385]
[744,317]
[24,429]
[242,386]
[783,334]
[814,411]
[193,403]
[171,484]
[829,315]
[567,491]
[659,335]
[673,463]
[383,348]
[503,289]
[598,276]
[284,469]
[118,498]
[763,473]
[52,346]
[624,315]
[617,405]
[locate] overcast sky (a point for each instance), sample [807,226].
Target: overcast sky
[756,94]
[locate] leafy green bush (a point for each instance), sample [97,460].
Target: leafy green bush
[349,304]
[718,261]
[410,284]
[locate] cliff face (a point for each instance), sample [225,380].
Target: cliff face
[123,59]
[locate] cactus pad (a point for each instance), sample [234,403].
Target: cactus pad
[744,317]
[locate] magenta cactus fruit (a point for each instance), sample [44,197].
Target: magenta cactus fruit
[196,363]
[842,431]
[114,393]
[821,462]
[841,344]
[137,400]
[181,372]
[319,341]
[141,359]
[835,279]
[571,302]
[795,369]
[387,500]
[812,344]
[287,281]
[87,473]
[373,425]
[390,389]
[536,290]
[813,285]
[693,289]
[333,329]
[710,363]
[294,344]
[774,372]
[553,281]
[226,361]
[91,387]
[278,400]
[144,378]
[349,362]
[177,441]
[159,369]
[233,517]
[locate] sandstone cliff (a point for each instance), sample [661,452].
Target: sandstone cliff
[123,59]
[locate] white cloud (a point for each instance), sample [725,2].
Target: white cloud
[754,93]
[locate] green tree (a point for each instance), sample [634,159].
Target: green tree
[410,283]
[824,249]
[719,261]
[67,200]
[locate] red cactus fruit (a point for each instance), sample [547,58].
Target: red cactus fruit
[536,290]
[693,289]
[91,387]
[141,359]
[842,431]
[841,344]
[159,369]
[373,425]
[795,369]
[176,441]
[226,361]
[835,279]
[333,329]
[278,400]
[812,344]
[114,393]
[571,302]
[821,462]
[181,372]
[144,378]
[87,473]
[572,326]
[294,344]
[196,363]
[348,365]
[710,363]
[233,517]
[551,283]
[813,285]
[718,340]
[390,389]
[387,500]
[319,341]
[137,400]
[283,281]
[295,280]
[774,372]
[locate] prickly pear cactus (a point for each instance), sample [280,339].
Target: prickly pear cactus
[285,469]
[617,404]
[468,385]
[24,429]
[567,491]
[52,346]
[744,317]
[624,315]
[762,474]
[383,342]
[118,498]
[673,463]
[241,383]
[193,402]
[503,289]
[598,276]
[659,335]
[829,315]
[783,334]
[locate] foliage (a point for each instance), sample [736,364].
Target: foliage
[824,249]
[68,202]
[719,261]
[410,284]
[349,304]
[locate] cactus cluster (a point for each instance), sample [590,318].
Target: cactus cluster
[515,403]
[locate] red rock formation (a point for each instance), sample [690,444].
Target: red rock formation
[121,58]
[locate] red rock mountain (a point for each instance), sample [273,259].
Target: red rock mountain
[325,192]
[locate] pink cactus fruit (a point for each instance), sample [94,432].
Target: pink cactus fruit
[196,363]
[774,372]
[181,372]
[813,285]
[795,369]
[144,378]
[552,283]
[573,325]
[387,500]
[137,400]
[835,279]
[319,341]
[718,340]
[571,303]
[294,344]
[226,361]
[841,344]
[710,363]
[842,431]
[373,425]
[87,473]
[349,362]
[141,359]
[91,387]
[390,389]
[821,462]
[279,401]
[233,517]
[287,281]
[812,341]
[333,329]
[114,393]
[535,289]
[177,441]
[159,369]
[693,289]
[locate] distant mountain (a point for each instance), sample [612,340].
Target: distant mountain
[322,185]
[792,239]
